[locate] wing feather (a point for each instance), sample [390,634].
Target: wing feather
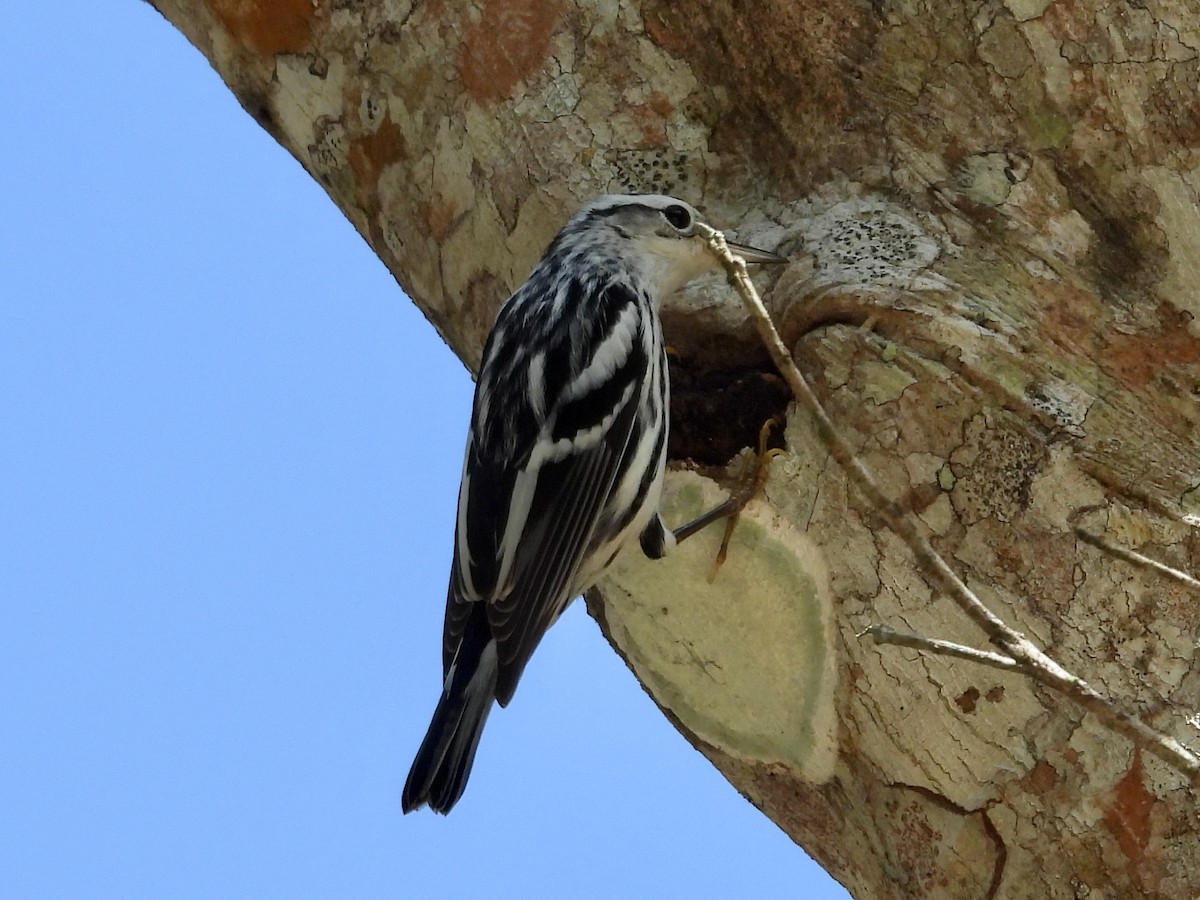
[538,475]
[571,494]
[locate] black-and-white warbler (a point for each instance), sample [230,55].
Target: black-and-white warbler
[565,456]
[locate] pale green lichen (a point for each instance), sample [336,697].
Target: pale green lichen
[883,383]
[746,661]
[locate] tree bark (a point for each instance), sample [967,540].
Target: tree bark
[993,214]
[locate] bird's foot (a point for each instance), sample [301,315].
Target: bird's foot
[737,501]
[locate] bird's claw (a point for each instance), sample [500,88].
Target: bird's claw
[751,489]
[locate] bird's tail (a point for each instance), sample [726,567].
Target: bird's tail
[443,764]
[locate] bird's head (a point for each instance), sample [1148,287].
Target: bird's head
[659,234]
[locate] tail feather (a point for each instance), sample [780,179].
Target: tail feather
[443,764]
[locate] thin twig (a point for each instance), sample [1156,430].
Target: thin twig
[1032,660]
[884,635]
[1132,556]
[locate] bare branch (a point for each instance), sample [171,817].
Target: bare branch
[884,635]
[1136,558]
[1020,649]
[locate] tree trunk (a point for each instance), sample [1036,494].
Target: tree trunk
[992,212]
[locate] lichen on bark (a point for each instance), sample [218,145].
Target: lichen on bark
[993,213]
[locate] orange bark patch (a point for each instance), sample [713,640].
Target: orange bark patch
[1128,815]
[967,699]
[651,117]
[508,44]
[1042,779]
[663,36]
[1070,315]
[440,215]
[268,26]
[1136,359]
[372,153]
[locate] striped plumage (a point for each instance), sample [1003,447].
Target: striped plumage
[564,460]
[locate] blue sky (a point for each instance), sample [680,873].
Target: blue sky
[228,470]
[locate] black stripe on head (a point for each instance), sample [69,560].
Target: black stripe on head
[605,212]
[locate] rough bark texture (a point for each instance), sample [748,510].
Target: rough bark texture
[993,212]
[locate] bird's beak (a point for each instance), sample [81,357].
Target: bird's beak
[753,254]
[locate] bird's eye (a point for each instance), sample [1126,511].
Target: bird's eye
[679,217]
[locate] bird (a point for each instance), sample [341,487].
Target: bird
[565,456]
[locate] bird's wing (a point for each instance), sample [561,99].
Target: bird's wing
[567,503]
[527,510]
